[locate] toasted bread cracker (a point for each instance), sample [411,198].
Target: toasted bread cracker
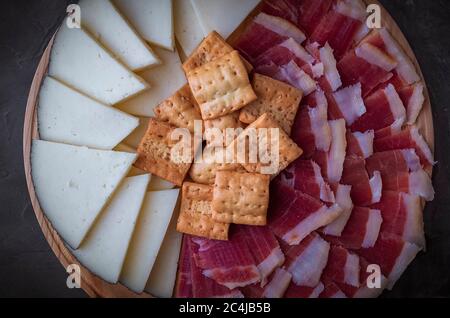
[196,213]
[180,110]
[288,151]
[210,49]
[154,153]
[222,124]
[241,198]
[221,87]
[279,100]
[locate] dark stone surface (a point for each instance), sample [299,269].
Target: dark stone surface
[28,268]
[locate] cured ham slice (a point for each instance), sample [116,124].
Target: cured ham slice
[311,130]
[229,263]
[392,254]
[264,247]
[384,108]
[286,9]
[395,128]
[340,26]
[402,216]
[311,13]
[364,191]
[305,176]
[360,144]
[332,162]
[331,79]
[361,230]
[204,287]
[409,138]
[294,215]
[342,267]
[263,33]
[346,103]
[344,200]
[183,287]
[292,74]
[276,288]
[413,98]
[332,291]
[417,183]
[295,291]
[393,162]
[307,260]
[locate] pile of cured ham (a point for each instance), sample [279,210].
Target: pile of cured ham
[355,197]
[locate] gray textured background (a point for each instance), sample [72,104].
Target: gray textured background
[28,268]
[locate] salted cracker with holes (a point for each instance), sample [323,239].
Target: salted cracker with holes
[241,198]
[230,122]
[180,110]
[196,213]
[281,101]
[221,86]
[154,153]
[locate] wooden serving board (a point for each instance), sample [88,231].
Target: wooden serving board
[93,285]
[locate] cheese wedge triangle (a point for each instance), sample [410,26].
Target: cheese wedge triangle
[147,238]
[188,30]
[67,116]
[82,63]
[153,19]
[106,24]
[104,249]
[73,184]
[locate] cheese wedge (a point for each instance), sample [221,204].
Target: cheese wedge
[188,30]
[153,19]
[67,116]
[222,16]
[164,274]
[73,184]
[164,79]
[147,238]
[134,139]
[80,62]
[104,249]
[107,25]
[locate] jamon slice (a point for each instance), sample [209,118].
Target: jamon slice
[384,108]
[295,291]
[365,190]
[264,247]
[278,283]
[311,13]
[331,80]
[294,215]
[413,98]
[360,144]
[286,9]
[343,267]
[264,32]
[346,103]
[311,130]
[362,229]
[417,183]
[332,162]
[402,216]
[392,162]
[332,291]
[392,254]
[305,176]
[307,260]
[204,287]
[183,287]
[340,26]
[229,263]
[409,138]
[344,200]
[395,128]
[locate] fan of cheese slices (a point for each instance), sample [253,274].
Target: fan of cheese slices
[107,82]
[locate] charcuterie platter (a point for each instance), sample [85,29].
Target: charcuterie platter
[354,132]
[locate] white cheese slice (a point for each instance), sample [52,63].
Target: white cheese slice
[147,238]
[79,61]
[222,16]
[153,19]
[73,184]
[106,24]
[188,30]
[134,139]
[67,116]
[164,273]
[104,249]
[164,79]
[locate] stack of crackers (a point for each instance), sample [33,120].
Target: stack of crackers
[221,94]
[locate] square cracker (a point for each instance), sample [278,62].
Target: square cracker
[196,213]
[222,123]
[241,198]
[288,150]
[221,87]
[210,49]
[279,100]
[180,110]
[154,153]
